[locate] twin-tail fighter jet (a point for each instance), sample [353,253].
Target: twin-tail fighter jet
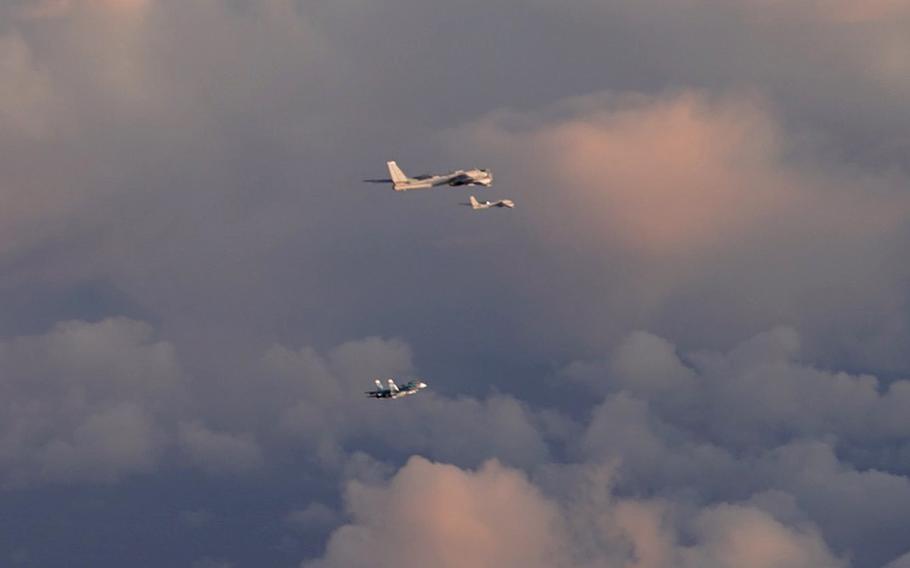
[475,205]
[394,391]
[401,182]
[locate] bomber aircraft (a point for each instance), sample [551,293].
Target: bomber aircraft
[475,205]
[394,391]
[401,182]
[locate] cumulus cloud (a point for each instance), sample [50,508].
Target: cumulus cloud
[95,402]
[738,536]
[683,174]
[153,91]
[642,363]
[319,400]
[714,182]
[432,513]
[819,59]
[727,427]
[901,562]
[100,79]
[441,515]
[219,452]
[86,401]
[691,206]
[705,194]
[751,396]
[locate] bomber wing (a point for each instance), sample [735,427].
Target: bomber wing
[460,179]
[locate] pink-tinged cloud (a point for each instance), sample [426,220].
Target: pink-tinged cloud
[742,537]
[644,526]
[669,176]
[44,9]
[26,93]
[692,205]
[869,10]
[846,11]
[123,4]
[431,514]
[680,174]
[439,515]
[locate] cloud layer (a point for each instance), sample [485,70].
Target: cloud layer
[684,347]
[86,401]
[691,205]
[438,514]
[740,470]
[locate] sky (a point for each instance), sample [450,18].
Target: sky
[684,348]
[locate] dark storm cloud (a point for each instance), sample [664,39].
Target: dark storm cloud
[706,171]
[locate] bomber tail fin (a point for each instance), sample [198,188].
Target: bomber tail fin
[395,173]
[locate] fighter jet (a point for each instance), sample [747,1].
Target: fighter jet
[401,182]
[475,205]
[394,391]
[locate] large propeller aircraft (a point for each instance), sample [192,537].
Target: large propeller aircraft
[401,182]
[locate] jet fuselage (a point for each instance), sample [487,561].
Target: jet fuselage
[393,391]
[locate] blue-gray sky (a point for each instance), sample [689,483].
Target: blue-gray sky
[685,347]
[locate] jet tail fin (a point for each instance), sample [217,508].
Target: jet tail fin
[395,172]
[378,384]
[392,386]
[474,203]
